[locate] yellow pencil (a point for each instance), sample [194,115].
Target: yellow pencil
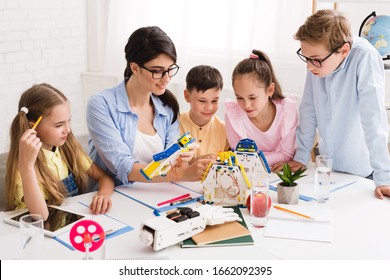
[37,122]
[292,212]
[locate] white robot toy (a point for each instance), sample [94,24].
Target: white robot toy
[164,231]
[225,182]
[254,161]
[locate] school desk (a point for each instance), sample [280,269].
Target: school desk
[361,230]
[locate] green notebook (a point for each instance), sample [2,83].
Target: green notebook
[240,235]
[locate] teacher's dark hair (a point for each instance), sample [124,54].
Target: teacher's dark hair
[145,44]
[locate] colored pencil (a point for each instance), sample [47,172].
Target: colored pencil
[37,122]
[173,199]
[292,212]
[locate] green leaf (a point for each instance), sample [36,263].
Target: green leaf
[288,178]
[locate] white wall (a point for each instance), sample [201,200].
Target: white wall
[41,41]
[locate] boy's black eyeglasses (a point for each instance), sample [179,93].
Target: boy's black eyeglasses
[314,61]
[160,73]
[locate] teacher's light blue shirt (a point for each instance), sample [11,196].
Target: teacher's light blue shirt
[348,109]
[113,126]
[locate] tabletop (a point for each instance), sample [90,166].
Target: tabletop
[360,224]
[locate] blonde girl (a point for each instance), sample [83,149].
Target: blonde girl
[46,163]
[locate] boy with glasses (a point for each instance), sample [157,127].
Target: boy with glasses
[344,99]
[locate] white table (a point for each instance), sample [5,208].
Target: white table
[361,226]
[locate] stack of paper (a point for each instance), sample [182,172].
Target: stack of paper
[283,224]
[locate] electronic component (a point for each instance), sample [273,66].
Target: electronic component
[226,182]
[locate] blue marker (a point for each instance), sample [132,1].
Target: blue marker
[156,213]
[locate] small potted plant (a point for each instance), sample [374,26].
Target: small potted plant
[288,189]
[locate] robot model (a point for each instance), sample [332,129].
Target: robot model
[164,231]
[254,162]
[226,182]
[164,161]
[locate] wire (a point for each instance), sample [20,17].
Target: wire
[232,191]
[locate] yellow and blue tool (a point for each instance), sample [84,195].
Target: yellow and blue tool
[163,161]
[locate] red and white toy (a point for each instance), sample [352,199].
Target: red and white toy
[87,236]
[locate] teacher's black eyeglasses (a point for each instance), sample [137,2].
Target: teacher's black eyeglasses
[160,73]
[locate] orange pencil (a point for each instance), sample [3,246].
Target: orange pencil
[37,122]
[292,212]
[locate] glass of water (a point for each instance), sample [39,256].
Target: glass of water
[31,236]
[322,178]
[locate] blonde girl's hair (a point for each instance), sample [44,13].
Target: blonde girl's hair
[259,65]
[40,100]
[327,27]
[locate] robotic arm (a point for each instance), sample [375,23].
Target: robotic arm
[164,231]
[216,215]
[163,161]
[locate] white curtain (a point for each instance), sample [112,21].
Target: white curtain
[214,32]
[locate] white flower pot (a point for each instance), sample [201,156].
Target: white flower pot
[288,194]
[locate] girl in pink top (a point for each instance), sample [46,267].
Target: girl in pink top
[261,112]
